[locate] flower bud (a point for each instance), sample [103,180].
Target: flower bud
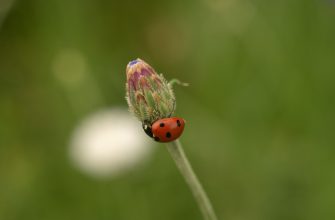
[149,95]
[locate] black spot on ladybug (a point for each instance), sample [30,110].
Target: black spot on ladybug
[178,123]
[161,125]
[168,134]
[156,138]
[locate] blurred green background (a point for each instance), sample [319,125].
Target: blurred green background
[260,108]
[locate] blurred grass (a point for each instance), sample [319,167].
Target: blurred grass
[260,108]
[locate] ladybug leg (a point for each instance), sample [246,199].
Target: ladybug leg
[157,139]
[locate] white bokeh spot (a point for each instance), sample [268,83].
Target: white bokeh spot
[108,143]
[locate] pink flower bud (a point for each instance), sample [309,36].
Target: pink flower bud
[149,96]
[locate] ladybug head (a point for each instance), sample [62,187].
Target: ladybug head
[147,128]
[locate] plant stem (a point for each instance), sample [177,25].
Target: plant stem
[184,166]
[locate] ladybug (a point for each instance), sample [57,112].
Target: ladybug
[165,129]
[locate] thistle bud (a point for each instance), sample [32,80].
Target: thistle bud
[149,95]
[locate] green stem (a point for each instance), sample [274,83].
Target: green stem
[184,166]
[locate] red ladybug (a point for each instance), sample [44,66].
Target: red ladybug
[167,129]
